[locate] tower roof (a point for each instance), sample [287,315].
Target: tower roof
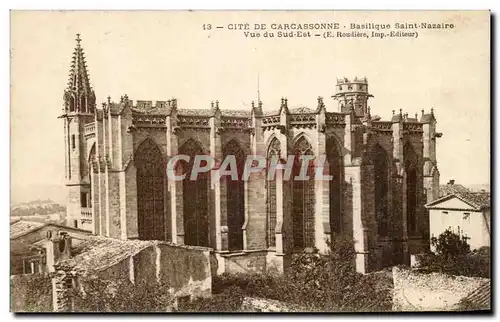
[78,74]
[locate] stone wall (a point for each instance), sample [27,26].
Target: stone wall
[187,269]
[414,291]
[253,304]
[30,293]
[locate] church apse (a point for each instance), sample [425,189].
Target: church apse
[373,194]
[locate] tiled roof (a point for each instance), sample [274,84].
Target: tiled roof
[475,199]
[479,299]
[271,112]
[301,110]
[427,118]
[22,227]
[93,254]
[97,253]
[153,111]
[195,112]
[235,113]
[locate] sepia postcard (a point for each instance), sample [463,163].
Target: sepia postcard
[250,161]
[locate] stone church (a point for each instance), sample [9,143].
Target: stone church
[383,173]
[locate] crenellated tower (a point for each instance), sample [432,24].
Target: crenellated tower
[78,110]
[352,95]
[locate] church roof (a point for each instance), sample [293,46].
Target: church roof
[78,74]
[301,110]
[427,118]
[190,112]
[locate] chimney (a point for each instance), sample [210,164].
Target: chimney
[451,182]
[58,247]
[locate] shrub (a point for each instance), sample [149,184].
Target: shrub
[31,293]
[98,295]
[317,283]
[454,257]
[230,300]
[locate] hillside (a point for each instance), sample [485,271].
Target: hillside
[40,211]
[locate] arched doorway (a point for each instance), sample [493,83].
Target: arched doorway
[411,165]
[303,198]
[273,153]
[335,168]
[195,198]
[150,191]
[235,201]
[381,171]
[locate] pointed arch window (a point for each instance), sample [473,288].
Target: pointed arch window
[90,168]
[381,172]
[235,200]
[83,106]
[150,192]
[303,198]
[334,158]
[412,186]
[195,198]
[273,153]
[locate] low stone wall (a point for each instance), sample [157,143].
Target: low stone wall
[416,291]
[31,293]
[254,304]
[187,269]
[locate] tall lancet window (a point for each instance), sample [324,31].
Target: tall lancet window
[335,167]
[150,191]
[195,198]
[412,185]
[235,190]
[273,154]
[303,197]
[381,171]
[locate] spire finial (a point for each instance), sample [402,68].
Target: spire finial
[109,99]
[78,39]
[393,112]
[401,111]
[432,110]
[422,112]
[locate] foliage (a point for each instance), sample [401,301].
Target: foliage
[454,257]
[450,244]
[31,293]
[230,300]
[98,295]
[317,283]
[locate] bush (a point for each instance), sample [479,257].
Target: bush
[230,300]
[97,295]
[454,257]
[317,283]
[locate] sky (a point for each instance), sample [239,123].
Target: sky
[160,55]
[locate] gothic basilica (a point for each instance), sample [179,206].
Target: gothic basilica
[383,173]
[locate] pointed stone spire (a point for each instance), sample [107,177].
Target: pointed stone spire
[79,96]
